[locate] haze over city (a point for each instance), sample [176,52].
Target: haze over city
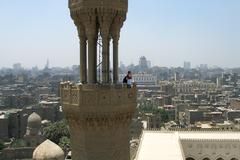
[166,32]
[163,85]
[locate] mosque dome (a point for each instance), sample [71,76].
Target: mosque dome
[48,151]
[34,120]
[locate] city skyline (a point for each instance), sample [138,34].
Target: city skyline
[201,32]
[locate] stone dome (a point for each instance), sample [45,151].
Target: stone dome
[48,151]
[34,120]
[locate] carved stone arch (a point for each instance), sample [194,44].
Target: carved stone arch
[190,157]
[220,157]
[205,157]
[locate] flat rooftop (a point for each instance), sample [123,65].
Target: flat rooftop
[152,140]
[166,145]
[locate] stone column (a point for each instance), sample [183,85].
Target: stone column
[95,57]
[83,53]
[105,19]
[115,58]
[92,76]
[83,60]
[105,58]
[115,33]
[91,33]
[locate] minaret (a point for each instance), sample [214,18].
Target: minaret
[98,113]
[33,136]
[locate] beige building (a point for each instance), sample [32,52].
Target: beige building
[194,87]
[189,145]
[141,78]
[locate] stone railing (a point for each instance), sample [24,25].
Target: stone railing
[92,96]
[97,105]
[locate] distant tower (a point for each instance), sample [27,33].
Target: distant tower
[187,65]
[47,65]
[99,114]
[143,63]
[33,136]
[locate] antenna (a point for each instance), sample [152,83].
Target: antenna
[99,65]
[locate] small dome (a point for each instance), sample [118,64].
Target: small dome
[34,120]
[48,151]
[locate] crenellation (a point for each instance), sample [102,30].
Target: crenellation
[104,94]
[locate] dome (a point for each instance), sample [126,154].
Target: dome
[34,120]
[48,151]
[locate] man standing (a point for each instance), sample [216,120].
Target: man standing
[128,79]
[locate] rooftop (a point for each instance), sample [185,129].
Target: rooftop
[167,144]
[150,142]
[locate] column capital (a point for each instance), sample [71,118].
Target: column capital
[115,37]
[105,20]
[116,28]
[90,32]
[81,33]
[90,26]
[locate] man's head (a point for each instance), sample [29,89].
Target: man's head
[129,72]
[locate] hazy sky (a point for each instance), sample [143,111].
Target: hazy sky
[167,32]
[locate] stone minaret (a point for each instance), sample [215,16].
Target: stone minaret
[98,113]
[33,136]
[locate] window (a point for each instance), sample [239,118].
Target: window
[190,158]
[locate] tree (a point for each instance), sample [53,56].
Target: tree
[163,113]
[64,143]
[18,143]
[2,146]
[55,131]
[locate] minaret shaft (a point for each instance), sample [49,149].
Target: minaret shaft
[98,114]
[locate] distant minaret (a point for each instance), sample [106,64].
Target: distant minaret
[98,113]
[33,135]
[47,65]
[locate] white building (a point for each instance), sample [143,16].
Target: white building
[141,78]
[189,145]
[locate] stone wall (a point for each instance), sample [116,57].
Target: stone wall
[99,117]
[16,153]
[97,95]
